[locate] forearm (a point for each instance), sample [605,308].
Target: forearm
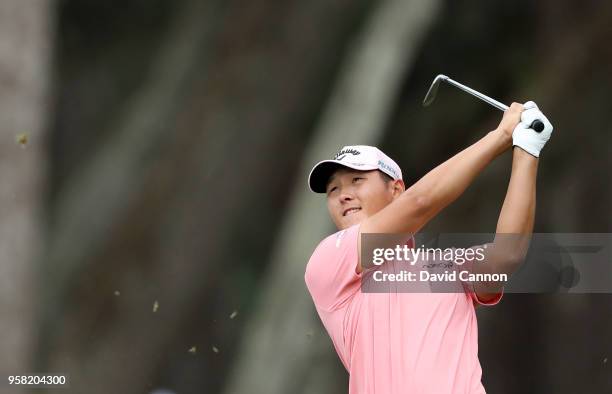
[518,212]
[515,223]
[441,186]
[448,181]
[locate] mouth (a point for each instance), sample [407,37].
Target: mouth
[350,211]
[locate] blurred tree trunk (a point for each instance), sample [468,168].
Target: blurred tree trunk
[90,211]
[25,42]
[284,348]
[150,215]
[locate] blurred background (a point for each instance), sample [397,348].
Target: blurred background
[155,218]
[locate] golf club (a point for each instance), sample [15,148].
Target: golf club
[536,125]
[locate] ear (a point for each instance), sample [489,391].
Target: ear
[398,188]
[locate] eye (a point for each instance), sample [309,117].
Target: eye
[331,189]
[355,179]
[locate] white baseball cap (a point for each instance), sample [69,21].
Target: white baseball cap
[357,157]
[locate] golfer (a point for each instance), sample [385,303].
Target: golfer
[400,342]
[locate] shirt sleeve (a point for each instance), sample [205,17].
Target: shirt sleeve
[331,273]
[469,286]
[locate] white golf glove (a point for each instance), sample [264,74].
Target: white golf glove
[528,139]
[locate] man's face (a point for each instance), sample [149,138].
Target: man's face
[355,195]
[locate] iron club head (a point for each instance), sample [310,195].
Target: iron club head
[433,89]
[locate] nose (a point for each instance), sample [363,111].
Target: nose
[346,196]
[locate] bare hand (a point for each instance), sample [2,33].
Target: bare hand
[511,118]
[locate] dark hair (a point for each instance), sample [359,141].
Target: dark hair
[385,177]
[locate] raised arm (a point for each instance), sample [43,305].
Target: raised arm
[514,226]
[515,223]
[445,183]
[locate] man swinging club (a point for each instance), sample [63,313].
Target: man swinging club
[392,343]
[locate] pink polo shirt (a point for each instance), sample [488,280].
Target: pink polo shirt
[394,342]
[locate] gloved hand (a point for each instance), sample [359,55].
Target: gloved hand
[528,139]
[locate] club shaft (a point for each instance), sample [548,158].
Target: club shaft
[486,99]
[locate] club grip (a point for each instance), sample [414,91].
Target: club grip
[537,125]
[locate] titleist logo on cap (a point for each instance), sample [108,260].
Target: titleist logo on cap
[340,155]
